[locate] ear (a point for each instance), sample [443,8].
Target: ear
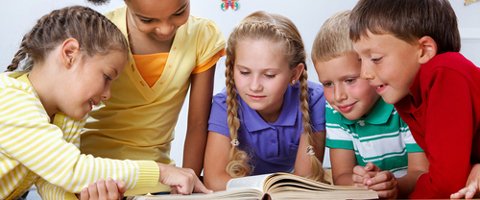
[70,51]
[297,72]
[428,49]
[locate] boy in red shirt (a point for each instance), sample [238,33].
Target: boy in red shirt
[409,52]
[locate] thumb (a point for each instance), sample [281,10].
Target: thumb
[199,187]
[121,187]
[371,167]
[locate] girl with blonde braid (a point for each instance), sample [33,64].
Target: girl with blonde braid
[269,118]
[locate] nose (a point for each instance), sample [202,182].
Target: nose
[339,93]
[164,29]
[256,85]
[366,71]
[106,94]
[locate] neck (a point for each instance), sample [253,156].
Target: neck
[38,80]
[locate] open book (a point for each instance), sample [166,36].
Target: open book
[276,186]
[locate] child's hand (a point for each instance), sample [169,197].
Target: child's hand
[473,185]
[384,183]
[181,180]
[104,190]
[361,174]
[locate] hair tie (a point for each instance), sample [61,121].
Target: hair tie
[235,142]
[310,150]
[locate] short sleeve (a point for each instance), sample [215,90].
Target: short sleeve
[210,41]
[337,136]
[410,143]
[317,106]
[218,115]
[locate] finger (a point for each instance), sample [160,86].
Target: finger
[122,187]
[112,189]
[92,191]
[199,187]
[357,179]
[359,170]
[388,185]
[84,194]
[102,189]
[381,177]
[371,167]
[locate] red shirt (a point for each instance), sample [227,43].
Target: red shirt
[443,113]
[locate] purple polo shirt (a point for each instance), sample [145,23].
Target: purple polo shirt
[271,146]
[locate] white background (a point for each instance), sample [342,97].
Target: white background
[17,17]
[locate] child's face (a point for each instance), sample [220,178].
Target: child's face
[344,90]
[390,64]
[262,75]
[89,82]
[159,19]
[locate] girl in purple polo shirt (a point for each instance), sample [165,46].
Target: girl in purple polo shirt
[269,118]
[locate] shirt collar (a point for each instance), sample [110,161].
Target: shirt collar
[379,114]
[288,116]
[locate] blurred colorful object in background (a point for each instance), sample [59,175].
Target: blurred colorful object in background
[233,4]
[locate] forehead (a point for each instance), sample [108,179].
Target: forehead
[344,65]
[260,53]
[155,8]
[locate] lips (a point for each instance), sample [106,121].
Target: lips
[256,97]
[345,108]
[380,88]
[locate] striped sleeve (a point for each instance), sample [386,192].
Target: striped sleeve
[337,136]
[410,143]
[27,136]
[48,191]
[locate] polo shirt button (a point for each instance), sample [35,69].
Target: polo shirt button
[361,122]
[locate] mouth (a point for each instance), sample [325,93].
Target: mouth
[380,88]
[256,97]
[346,108]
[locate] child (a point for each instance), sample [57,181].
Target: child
[70,58]
[409,52]
[170,50]
[362,129]
[264,116]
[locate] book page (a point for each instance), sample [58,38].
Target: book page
[256,182]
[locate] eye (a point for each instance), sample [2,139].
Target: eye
[376,60]
[327,84]
[350,80]
[179,13]
[244,73]
[146,20]
[106,77]
[270,75]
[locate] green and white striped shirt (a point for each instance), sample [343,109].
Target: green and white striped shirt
[380,137]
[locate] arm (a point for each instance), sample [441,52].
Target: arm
[198,113]
[216,160]
[343,161]
[448,137]
[302,162]
[472,189]
[417,165]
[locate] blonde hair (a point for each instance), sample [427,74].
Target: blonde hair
[276,28]
[333,39]
[94,32]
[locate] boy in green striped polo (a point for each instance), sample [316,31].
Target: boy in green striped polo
[369,143]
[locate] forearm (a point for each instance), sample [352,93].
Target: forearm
[216,182]
[343,179]
[406,184]
[194,151]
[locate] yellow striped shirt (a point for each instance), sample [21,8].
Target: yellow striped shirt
[30,142]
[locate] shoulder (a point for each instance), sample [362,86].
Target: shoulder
[315,93]
[202,27]
[220,99]
[8,81]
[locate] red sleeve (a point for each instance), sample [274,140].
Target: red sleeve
[448,135]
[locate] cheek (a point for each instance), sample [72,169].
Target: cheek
[328,92]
